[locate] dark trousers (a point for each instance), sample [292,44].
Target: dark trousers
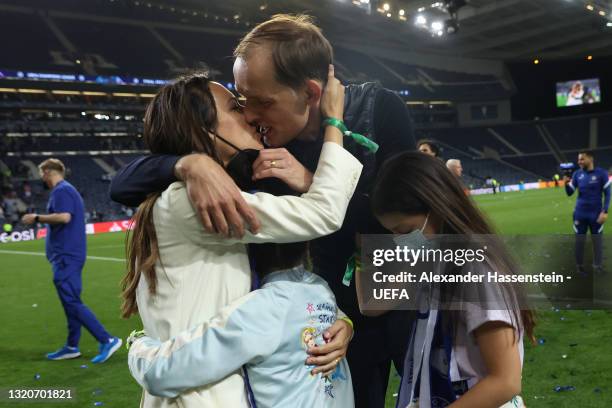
[377,342]
[583,223]
[67,280]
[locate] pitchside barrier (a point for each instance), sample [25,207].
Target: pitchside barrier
[40,233]
[519,187]
[124,225]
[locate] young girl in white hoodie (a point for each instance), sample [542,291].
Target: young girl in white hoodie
[467,358]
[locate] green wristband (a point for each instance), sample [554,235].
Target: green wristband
[349,321]
[359,139]
[134,335]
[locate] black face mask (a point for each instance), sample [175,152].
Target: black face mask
[240,168]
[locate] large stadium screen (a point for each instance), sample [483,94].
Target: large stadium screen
[578,92]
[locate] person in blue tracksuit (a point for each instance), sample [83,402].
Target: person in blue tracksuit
[591,211]
[66,251]
[267,332]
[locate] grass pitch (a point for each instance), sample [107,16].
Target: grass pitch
[33,322]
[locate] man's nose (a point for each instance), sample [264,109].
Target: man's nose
[251,117]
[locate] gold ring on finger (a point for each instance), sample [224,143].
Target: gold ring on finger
[273,163]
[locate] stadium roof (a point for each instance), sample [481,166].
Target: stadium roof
[491,29]
[506,30]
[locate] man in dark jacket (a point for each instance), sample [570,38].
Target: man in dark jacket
[280,70]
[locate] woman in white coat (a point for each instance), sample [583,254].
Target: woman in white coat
[178,274]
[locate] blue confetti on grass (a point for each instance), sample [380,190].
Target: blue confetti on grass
[562,388]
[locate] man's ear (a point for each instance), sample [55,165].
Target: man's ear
[314,91]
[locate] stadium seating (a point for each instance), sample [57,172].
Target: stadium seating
[605,131]
[535,157]
[108,40]
[543,166]
[603,158]
[570,134]
[476,138]
[205,50]
[466,144]
[74,143]
[357,67]
[147,55]
[87,176]
[476,169]
[524,137]
[88,126]
[24,31]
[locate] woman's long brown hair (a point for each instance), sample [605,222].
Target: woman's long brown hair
[416,183]
[178,121]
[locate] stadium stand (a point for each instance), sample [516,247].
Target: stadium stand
[528,150]
[122,57]
[571,134]
[605,130]
[524,137]
[94,125]
[84,171]
[205,50]
[475,167]
[180,43]
[33,35]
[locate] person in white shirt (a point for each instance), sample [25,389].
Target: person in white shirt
[179,275]
[575,95]
[478,347]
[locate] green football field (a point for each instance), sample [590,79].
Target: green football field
[577,349]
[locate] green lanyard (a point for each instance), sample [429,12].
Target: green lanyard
[359,139]
[353,264]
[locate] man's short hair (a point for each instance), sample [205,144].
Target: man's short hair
[299,49]
[452,163]
[53,165]
[588,153]
[433,146]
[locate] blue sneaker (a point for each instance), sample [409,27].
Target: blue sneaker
[107,350]
[64,353]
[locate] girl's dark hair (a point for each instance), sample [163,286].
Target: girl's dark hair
[270,257]
[416,183]
[178,121]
